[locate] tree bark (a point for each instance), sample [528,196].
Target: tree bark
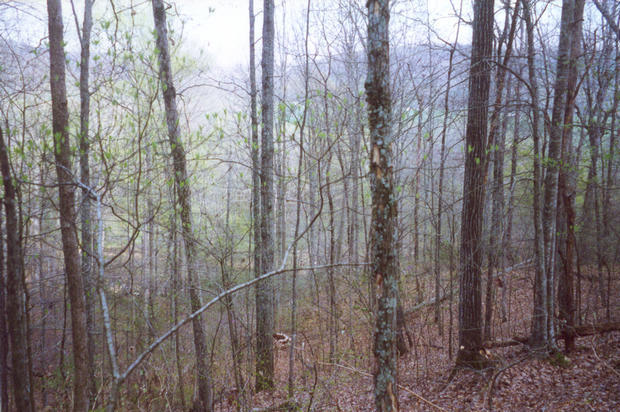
[66,189]
[383,222]
[182,183]
[264,290]
[470,305]
[553,161]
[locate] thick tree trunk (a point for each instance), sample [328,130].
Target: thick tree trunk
[182,184]
[264,289]
[470,305]
[66,189]
[553,162]
[15,305]
[383,259]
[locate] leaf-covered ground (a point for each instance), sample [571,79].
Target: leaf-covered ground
[587,380]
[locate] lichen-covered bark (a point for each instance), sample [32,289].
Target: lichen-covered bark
[470,306]
[264,290]
[383,205]
[66,205]
[16,316]
[181,178]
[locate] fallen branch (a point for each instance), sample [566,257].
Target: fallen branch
[588,330]
[577,332]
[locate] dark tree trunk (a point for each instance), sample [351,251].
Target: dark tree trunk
[383,259]
[470,305]
[15,304]
[264,290]
[182,184]
[66,189]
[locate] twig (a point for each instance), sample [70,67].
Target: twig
[496,375]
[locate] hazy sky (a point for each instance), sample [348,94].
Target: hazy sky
[220,27]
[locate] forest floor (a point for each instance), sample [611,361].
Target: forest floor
[587,380]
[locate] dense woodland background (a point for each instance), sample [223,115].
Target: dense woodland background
[433,211]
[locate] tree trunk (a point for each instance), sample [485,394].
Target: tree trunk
[66,189]
[85,205]
[553,161]
[383,259]
[470,305]
[182,183]
[15,305]
[255,151]
[264,290]
[566,189]
[539,337]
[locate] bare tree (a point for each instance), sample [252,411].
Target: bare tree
[85,203]
[539,318]
[550,200]
[182,184]
[264,290]
[66,189]
[470,305]
[382,232]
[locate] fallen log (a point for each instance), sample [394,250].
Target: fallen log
[577,332]
[588,330]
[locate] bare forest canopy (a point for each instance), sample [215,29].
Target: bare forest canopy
[308,205]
